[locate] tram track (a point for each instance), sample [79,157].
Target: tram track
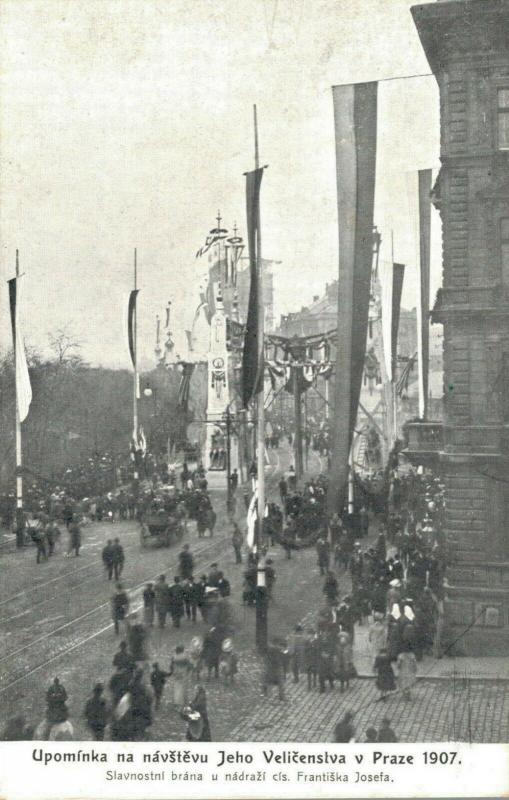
[69,575]
[25,666]
[216,544]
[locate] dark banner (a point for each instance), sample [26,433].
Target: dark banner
[185,385]
[355,121]
[398,273]
[131,316]
[251,372]
[424,272]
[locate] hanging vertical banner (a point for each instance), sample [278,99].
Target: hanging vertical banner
[250,356]
[424,278]
[23,387]
[398,274]
[131,315]
[185,385]
[355,120]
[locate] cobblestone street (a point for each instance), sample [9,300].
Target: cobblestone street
[77,643]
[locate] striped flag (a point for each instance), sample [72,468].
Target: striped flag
[419,200]
[23,387]
[252,359]
[355,120]
[131,316]
[392,287]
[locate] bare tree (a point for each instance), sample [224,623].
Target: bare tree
[66,349]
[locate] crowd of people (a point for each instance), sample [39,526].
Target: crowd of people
[396,595]
[387,547]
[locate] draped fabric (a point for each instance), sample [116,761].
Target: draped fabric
[398,275]
[23,387]
[425,176]
[252,365]
[355,119]
[185,384]
[392,286]
[131,317]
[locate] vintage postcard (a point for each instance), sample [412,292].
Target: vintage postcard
[254,382]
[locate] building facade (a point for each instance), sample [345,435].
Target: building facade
[467,46]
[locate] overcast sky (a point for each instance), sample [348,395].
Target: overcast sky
[129,123]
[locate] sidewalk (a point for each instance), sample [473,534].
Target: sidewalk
[495,668]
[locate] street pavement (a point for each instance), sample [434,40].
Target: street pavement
[55,620]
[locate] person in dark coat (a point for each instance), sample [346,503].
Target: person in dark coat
[330,589]
[149,599]
[39,539]
[56,697]
[223,586]
[371,736]
[162,600]
[236,541]
[274,669]
[74,536]
[118,558]
[311,659]
[119,607]
[122,659]
[325,662]
[107,558]
[196,598]
[157,681]
[385,682]
[176,606]
[212,651]
[386,734]
[344,730]
[136,638]
[140,712]
[198,730]
[381,547]
[323,554]
[118,685]
[186,562]
[96,713]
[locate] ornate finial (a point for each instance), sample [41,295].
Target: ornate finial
[218,218]
[235,228]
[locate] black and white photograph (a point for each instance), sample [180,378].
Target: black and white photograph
[254,372]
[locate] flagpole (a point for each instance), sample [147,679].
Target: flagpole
[19,451]
[135,366]
[393,360]
[261,595]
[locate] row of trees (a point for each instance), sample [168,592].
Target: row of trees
[78,411]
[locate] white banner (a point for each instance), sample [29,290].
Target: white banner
[54,770]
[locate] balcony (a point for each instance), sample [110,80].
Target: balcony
[424,441]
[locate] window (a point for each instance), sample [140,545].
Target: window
[504,249]
[503,119]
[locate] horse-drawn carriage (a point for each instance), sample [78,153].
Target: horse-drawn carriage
[161,528]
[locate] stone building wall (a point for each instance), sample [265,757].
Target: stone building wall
[466,42]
